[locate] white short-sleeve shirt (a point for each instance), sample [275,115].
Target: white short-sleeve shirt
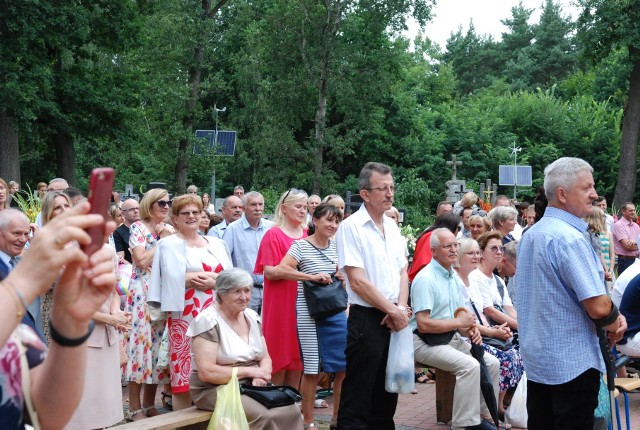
[361,244]
[489,290]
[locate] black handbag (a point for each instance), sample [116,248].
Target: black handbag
[272,396]
[435,339]
[324,300]
[497,343]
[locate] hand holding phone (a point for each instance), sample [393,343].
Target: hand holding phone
[99,196]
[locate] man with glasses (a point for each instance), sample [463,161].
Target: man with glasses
[131,213]
[192,189]
[438,340]
[625,237]
[507,268]
[232,210]
[371,254]
[561,300]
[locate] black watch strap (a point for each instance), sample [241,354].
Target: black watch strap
[65,341]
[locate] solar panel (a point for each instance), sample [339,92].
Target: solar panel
[507,177]
[225,143]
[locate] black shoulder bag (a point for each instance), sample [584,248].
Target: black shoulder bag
[271,396]
[324,300]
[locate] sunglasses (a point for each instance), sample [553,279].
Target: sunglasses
[293,191]
[495,249]
[164,203]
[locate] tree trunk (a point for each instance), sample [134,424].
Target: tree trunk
[329,31]
[321,114]
[626,185]
[195,78]
[65,157]
[10,153]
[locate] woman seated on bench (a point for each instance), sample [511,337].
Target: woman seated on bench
[229,334]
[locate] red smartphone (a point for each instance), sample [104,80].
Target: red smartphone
[99,195]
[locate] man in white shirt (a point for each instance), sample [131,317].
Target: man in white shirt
[601,202]
[371,254]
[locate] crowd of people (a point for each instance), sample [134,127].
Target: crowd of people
[202,294]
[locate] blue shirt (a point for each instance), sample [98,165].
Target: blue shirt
[557,270]
[630,307]
[243,242]
[436,290]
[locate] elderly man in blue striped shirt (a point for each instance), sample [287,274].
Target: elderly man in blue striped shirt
[561,299]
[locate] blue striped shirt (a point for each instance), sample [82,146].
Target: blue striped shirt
[557,270]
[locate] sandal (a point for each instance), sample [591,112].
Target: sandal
[130,416]
[421,378]
[167,404]
[150,411]
[310,425]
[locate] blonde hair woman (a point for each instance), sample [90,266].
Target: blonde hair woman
[602,241]
[4,194]
[145,335]
[279,303]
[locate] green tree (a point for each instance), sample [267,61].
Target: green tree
[605,27]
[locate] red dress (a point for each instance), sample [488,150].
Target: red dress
[421,256]
[279,303]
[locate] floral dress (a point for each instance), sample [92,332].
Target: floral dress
[145,335]
[11,391]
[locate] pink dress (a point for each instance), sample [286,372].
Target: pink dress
[279,303]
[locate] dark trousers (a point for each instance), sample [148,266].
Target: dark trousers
[568,406]
[624,263]
[364,403]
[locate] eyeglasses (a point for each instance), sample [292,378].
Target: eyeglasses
[495,249]
[453,245]
[293,191]
[189,213]
[473,253]
[384,190]
[164,203]
[130,209]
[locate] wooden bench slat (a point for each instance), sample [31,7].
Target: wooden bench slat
[627,384]
[171,420]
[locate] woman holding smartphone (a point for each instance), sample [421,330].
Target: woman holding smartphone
[145,335]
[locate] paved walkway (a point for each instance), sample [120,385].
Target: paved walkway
[418,411]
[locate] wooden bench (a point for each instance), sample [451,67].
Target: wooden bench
[445,384]
[188,419]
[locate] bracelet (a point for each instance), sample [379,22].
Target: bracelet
[65,341]
[609,319]
[21,310]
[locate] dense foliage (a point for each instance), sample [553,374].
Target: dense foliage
[315,89]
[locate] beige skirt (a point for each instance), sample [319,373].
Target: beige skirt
[258,416]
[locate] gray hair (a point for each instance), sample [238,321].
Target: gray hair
[501,214]
[364,180]
[232,278]
[250,195]
[464,245]
[562,173]
[192,188]
[54,180]
[238,187]
[11,214]
[511,250]
[434,242]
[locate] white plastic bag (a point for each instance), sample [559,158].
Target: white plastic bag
[516,414]
[400,366]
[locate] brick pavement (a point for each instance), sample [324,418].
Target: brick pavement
[418,411]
